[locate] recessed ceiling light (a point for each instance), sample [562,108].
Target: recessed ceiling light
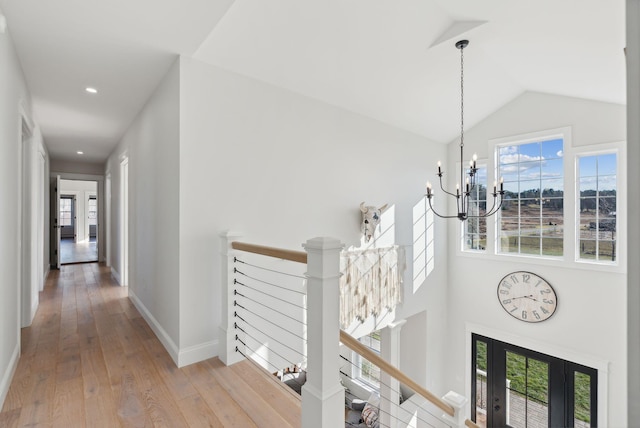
[91,90]
[79,152]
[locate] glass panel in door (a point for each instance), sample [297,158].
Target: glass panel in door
[527,395]
[582,400]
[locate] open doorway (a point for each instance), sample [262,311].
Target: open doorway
[78,221]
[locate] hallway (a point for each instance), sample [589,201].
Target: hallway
[90,359]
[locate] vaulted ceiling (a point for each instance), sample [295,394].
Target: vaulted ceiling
[392,61]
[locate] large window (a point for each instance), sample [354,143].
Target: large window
[597,207]
[531,220]
[366,371]
[66,211]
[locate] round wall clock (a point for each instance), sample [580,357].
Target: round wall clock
[527,296]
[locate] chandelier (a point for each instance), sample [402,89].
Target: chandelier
[464,196]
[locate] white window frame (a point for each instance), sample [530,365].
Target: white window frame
[517,141]
[357,367]
[619,149]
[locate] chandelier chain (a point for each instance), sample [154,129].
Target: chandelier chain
[462,97]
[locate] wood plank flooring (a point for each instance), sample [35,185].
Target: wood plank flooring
[90,360]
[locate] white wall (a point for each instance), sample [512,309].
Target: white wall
[590,322]
[14,94]
[281,168]
[79,167]
[34,217]
[151,144]
[633,159]
[81,190]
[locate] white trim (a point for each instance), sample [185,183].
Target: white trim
[116,276]
[182,357]
[545,348]
[160,333]
[197,353]
[8,374]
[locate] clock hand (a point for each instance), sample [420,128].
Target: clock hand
[530,296]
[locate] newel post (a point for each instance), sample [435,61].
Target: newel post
[227,354]
[459,404]
[323,394]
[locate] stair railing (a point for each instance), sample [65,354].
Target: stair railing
[323,396]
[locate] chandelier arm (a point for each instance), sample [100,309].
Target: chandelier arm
[492,212]
[445,191]
[436,212]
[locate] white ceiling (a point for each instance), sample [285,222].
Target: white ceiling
[393,61]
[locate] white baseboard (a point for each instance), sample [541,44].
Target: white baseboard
[161,334]
[182,357]
[44,277]
[34,308]
[8,374]
[197,353]
[116,276]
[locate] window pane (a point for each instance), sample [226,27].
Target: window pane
[582,403]
[529,245]
[530,171]
[552,148]
[529,152]
[552,227]
[607,185]
[481,384]
[588,206]
[607,164]
[508,154]
[530,189]
[552,246]
[588,249]
[606,207]
[510,244]
[607,250]
[587,166]
[553,169]
[553,188]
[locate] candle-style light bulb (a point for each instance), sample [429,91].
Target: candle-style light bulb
[428,188]
[501,184]
[439,169]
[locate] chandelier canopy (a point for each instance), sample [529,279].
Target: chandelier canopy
[464,196]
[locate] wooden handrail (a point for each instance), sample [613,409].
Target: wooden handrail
[471,424]
[278,253]
[355,345]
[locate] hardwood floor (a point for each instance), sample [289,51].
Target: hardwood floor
[90,360]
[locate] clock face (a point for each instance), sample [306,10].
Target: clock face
[527,297]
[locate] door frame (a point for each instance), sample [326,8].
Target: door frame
[553,350]
[100,190]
